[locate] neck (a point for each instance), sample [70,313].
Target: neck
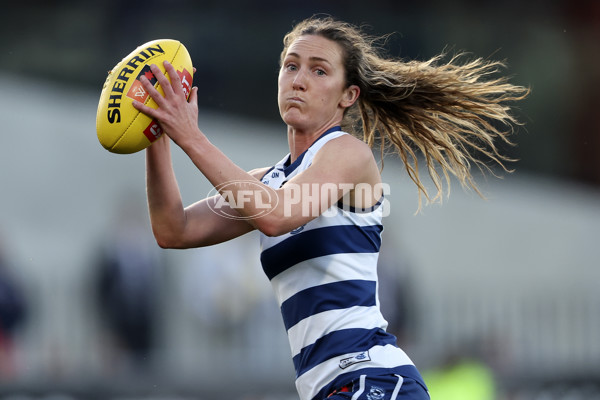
[299,141]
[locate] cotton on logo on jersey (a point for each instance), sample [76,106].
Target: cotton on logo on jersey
[274,178]
[354,358]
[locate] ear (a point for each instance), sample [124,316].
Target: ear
[350,96]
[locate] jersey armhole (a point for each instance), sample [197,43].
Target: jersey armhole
[357,210]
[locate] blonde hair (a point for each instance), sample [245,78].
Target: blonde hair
[450,112]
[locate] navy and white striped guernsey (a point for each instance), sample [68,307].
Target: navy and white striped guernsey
[325,281]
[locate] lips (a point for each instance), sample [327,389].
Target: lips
[294,102]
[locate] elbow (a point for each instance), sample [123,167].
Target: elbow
[164,243]
[170,244]
[167,241]
[270,231]
[272,226]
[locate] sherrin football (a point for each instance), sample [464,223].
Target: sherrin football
[120,127]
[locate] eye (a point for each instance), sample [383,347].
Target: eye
[320,72]
[291,67]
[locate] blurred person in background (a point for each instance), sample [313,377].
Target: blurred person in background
[233,295]
[127,292]
[320,247]
[13,313]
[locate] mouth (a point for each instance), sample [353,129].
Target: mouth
[294,102]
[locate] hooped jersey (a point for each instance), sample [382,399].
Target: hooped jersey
[325,281]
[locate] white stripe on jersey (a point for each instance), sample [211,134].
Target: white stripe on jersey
[307,331]
[310,273]
[397,388]
[361,387]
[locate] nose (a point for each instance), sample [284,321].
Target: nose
[299,82]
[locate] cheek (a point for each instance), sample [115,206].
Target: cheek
[281,85]
[283,79]
[279,92]
[329,100]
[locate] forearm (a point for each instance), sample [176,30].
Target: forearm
[179,119]
[165,206]
[250,197]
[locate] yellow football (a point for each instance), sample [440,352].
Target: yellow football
[120,127]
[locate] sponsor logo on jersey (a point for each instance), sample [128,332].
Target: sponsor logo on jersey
[354,358]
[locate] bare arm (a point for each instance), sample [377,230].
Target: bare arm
[173,225]
[336,170]
[344,162]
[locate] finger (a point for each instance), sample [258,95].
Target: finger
[162,80]
[149,111]
[175,78]
[193,96]
[152,92]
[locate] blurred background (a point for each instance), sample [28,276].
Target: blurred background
[495,299]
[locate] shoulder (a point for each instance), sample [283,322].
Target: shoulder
[348,159]
[346,147]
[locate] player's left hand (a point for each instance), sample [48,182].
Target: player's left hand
[177,115]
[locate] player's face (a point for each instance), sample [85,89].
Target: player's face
[312,85]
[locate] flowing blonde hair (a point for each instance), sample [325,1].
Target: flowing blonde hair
[452,112]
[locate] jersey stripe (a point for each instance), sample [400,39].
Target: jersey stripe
[339,343]
[320,242]
[337,217]
[309,330]
[309,273]
[331,296]
[324,275]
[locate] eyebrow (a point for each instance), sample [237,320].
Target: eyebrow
[313,58]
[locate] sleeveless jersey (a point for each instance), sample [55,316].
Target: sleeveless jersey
[325,281]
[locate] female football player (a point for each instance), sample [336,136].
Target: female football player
[319,210]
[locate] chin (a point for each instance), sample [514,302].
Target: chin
[293,119]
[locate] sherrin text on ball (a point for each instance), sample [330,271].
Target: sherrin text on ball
[120,127]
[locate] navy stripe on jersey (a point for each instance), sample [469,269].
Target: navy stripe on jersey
[331,296]
[338,343]
[320,242]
